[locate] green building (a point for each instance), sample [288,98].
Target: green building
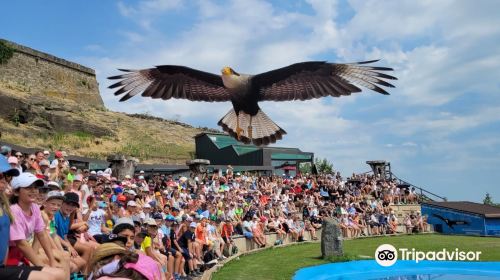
[223,150]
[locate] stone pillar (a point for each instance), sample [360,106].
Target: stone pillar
[198,165]
[122,165]
[331,238]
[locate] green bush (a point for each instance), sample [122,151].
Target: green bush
[6,52]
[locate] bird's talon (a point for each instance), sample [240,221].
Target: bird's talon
[238,132]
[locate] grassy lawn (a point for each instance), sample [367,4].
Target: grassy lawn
[281,263]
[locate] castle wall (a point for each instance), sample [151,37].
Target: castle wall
[38,73]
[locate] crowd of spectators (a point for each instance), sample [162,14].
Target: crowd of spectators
[57,220]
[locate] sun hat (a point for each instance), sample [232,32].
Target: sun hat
[26,179]
[146,266]
[106,250]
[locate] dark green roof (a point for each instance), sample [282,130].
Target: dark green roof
[284,156]
[222,141]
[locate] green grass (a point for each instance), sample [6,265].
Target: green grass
[281,263]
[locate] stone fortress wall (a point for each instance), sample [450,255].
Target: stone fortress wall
[39,73]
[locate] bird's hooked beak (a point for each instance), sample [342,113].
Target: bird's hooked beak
[228,71]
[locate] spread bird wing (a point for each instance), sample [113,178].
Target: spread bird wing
[315,79]
[171,81]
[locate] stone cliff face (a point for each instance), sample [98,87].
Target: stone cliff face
[50,103]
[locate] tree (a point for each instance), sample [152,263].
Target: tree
[487,200]
[323,166]
[305,167]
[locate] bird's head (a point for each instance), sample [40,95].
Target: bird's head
[227,71]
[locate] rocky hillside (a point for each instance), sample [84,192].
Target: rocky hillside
[42,122]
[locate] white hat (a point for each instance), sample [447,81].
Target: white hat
[53,184]
[46,152]
[124,220]
[99,173]
[24,180]
[151,222]
[93,172]
[132,192]
[147,205]
[193,224]
[54,163]
[142,171]
[127,177]
[55,195]
[145,188]
[108,171]
[131,203]
[141,177]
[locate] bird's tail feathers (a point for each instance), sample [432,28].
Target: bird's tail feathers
[261,131]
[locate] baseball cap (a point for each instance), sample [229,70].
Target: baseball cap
[53,184]
[124,220]
[26,179]
[147,205]
[141,172]
[44,162]
[132,192]
[193,224]
[157,216]
[6,168]
[151,222]
[131,203]
[72,198]
[55,195]
[12,160]
[78,177]
[170,218]
[46,152]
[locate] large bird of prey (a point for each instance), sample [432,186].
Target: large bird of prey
[246,122]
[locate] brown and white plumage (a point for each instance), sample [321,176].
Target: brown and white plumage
[300,81]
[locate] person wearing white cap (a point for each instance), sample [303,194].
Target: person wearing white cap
[26,226]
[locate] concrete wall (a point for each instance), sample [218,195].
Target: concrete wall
[34,72]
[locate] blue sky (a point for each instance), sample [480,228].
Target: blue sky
[440,128]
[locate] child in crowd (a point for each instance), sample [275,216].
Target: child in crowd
[27,225]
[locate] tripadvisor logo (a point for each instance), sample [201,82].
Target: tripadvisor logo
[387,255]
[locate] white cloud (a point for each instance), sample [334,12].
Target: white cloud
[442,51]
